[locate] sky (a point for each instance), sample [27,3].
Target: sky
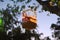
[44,18]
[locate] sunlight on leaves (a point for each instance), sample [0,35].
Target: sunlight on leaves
[1,22]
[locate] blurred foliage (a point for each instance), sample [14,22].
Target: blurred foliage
[53,9]
[15,10]
[1,25]
[28,1]
[2,0]
[35,8]
[7,16]
[0,12]
[23,6]
[31,7]
[58,3]
[8,5]
[20,0]
[57,34]
[9,21]
[1,21]
[53,0]
[55,27]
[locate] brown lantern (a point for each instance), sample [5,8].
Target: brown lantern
[29,19]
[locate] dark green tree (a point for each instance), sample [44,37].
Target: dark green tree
[9,18]
[51,5]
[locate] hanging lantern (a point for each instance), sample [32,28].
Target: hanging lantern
[29,19]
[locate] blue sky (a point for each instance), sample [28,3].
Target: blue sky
[43,20]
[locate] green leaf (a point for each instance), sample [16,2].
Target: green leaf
[1,22]
[1,25]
